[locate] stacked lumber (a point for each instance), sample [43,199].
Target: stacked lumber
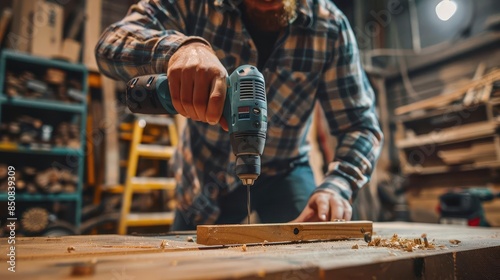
[32,180]
[475,87]
[33,132]
[53,84]
[454,131]
[478,152]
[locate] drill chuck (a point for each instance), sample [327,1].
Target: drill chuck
[247,168]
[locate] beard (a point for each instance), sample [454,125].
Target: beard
[272,19]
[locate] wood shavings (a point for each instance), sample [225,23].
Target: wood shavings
[405,244]
[366,235]
[355,246]
[244,248]
[426,242]
[163,244]
[455,242]
[71,249]
[189,239]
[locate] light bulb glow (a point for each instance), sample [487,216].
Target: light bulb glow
[446,9]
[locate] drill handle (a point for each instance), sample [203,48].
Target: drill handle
[150,94]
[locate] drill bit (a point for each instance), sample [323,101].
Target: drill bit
[248,204]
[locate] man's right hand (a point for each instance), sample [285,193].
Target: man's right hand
[197,82]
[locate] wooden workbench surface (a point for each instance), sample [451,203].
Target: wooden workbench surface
[477,256]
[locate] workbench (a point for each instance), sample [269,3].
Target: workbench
[178,256]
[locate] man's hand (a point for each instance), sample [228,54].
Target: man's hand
[197,82]
[326,205]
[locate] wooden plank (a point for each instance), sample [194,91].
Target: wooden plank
[110,126]
[452,134]
[289,232]
[470,94]
[443,169]
[476,152]
[445,99]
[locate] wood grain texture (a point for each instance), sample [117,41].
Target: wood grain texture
[476,257]
[39,248]
[258,233]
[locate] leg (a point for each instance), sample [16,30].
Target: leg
[180,223]
[233,206]
[283,199]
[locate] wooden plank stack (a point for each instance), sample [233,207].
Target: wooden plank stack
[449,142]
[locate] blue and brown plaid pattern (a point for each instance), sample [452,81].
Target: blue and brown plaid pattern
[315,59]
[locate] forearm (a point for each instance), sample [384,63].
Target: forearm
[355,158]
[141,43]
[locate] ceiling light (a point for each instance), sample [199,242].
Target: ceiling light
[446,9]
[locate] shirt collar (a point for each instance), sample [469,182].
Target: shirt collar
[304,18]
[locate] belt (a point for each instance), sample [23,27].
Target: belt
[281,166]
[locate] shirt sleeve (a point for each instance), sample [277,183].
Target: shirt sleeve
[349,104]
[143,42]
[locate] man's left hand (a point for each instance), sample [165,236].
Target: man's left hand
[325,205]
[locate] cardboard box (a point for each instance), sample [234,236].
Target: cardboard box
[19,37]
[5,19]
[70,50]
[46,39]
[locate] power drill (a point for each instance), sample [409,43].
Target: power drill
[245,111]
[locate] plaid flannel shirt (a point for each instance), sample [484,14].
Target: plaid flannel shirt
[316,59]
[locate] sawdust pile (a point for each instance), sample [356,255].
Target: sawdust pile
[405,244]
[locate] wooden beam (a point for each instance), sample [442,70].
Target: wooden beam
[110,126]
[450,135]
[445,99]
[92,32]
[284,232]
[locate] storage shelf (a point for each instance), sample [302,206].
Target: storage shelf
[445,169]
[30,59]
[42,104]
[452,135]
[18,61]
[422,115]
[42,197]
[48,151]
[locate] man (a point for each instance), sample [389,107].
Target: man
[306,51]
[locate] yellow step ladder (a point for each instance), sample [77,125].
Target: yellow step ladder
[141,184]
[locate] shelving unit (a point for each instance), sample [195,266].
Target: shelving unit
[460,140]
[48,155]
[448,143]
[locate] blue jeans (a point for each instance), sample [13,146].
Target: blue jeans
[277,199]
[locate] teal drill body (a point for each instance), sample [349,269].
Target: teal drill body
[245,110]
